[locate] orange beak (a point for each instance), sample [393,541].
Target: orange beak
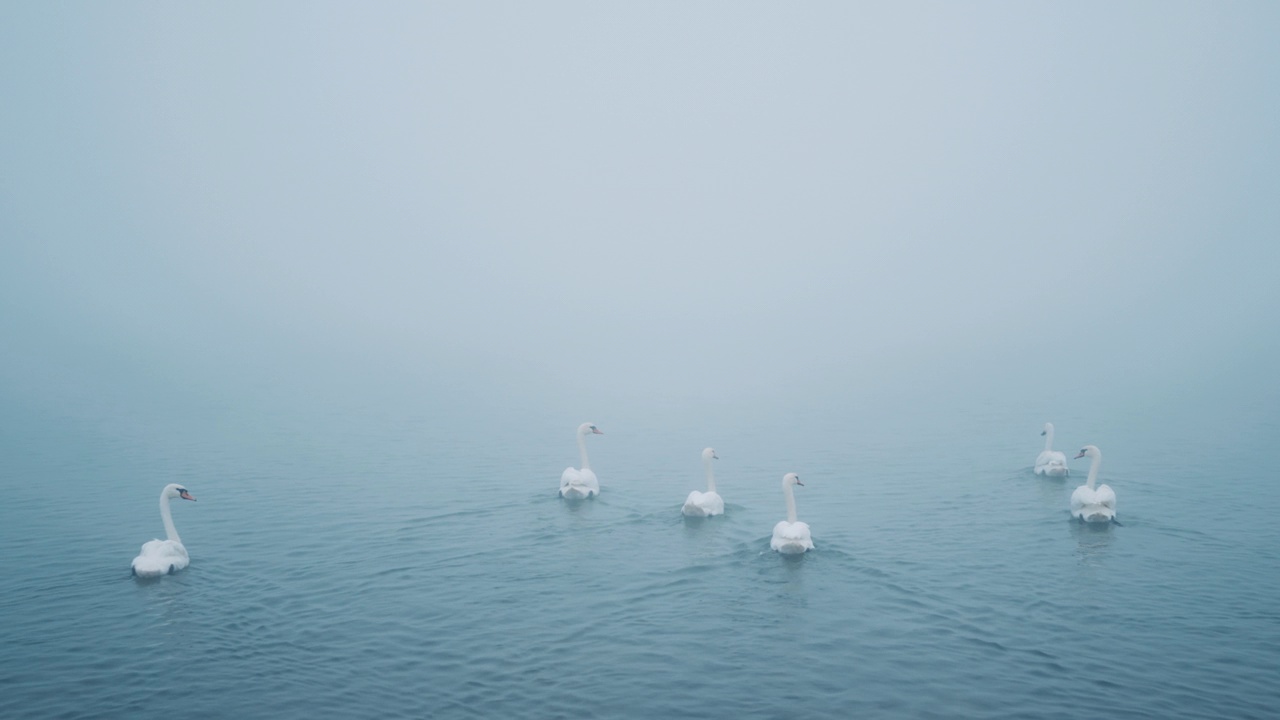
[186,496]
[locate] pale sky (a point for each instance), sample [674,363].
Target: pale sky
[599,200]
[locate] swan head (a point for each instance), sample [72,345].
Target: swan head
[1089,451]
[709,454]
[175,491]
[791,479]
[589,429]
[1048,428]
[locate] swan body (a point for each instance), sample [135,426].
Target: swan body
[1051,462]
[1089,503]
[705,504]
[164,557]
[790,536]
[581,483]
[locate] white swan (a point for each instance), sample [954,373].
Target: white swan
[705,504]
[160,557]
[581,483]
[1051,462]
[790,536]
[1091,504]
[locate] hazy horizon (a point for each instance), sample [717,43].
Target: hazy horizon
[591,208]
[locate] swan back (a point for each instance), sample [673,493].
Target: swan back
[703,504]
[160,557]
[791,538]
[1051,463]
[1093,504]
[578,484]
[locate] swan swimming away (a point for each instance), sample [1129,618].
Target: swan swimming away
[164,557]
[1090,504]
[581,483]
[705,504]
[791,537]
[1051,462]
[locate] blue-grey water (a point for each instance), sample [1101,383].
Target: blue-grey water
[355,560]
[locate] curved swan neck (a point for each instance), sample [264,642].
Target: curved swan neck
[1093,469]
[711,475]
[1048,436]
[582,450]
[791,503]
[170,532]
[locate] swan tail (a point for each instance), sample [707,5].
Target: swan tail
[791,538]
[160,557]
[695,505]
[791,547]
[149,569]
[577,484]
[577,492]
[691,510]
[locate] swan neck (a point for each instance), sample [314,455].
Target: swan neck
[711,476]
[1048,438]
[582,451]
[791,503]
[170,532]
[1093,471]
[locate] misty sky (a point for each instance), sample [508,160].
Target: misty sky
[594,201]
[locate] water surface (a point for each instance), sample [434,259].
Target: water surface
[360,562]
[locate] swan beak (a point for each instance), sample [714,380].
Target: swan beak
[596,431]
[715,456]
[186,496]
[1077,457]
[799,483]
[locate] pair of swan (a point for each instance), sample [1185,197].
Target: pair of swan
[582,483]
[790,536]
[164,557]
[1088,503]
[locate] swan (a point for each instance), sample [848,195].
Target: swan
[1091,504]
[790,536]
[160,557]
[582,483]
[1051,462]
[705,504]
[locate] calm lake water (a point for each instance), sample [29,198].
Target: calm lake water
[354,562]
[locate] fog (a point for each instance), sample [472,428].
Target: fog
[598,209]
